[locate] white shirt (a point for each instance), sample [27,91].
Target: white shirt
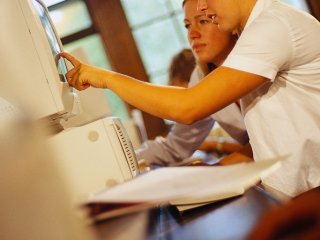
[283,116]
[183,140]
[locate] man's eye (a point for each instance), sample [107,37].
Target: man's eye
[187,25]
[204,21]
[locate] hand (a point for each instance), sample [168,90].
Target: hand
[298,219]
[83,76]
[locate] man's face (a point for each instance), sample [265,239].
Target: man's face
[204,6]
[226,14]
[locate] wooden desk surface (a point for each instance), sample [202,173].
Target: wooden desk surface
[229,219]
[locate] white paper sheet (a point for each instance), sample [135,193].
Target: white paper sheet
[187,185]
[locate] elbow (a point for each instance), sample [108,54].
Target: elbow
[187,120]
[186,110]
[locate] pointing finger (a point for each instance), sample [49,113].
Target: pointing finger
[74,61]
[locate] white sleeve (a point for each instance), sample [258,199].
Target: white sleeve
[264,48]
[180,143]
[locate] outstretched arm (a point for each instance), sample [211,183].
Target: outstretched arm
[217,90]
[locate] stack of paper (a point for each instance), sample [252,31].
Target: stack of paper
[182,186]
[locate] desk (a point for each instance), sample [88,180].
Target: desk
[230,219]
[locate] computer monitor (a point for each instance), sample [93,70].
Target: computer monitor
[32,74]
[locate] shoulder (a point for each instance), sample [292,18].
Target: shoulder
[283,16]
[264,47]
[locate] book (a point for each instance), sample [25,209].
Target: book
[185,187]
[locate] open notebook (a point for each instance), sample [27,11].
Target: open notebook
[185,187]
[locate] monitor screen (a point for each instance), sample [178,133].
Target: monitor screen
[52,39]
[32,74]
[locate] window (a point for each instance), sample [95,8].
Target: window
[73,22]
[159,35]
[70,17]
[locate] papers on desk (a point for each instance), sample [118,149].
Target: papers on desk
[182,186]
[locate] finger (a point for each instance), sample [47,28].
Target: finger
[74,61]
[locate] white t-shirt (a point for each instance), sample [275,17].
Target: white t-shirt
[283,116]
